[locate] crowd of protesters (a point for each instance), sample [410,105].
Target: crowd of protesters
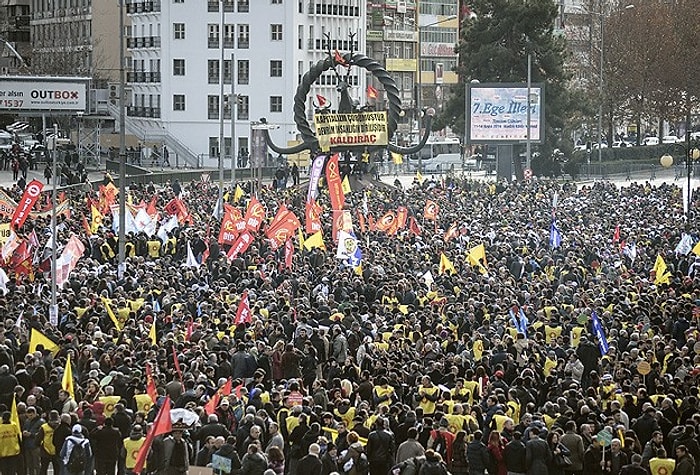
[393,366]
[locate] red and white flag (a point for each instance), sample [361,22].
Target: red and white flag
[243,314]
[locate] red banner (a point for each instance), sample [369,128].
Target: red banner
[342,221]
[240,245]
[335,185]
[243,314]
[25,205]
[313,217]
[288,253]
[387,222]
[254,215]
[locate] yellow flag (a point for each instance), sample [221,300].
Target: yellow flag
[662,466]
[38,338]
[576,336]
[237,194]
[143,403]
[446,265]
[358,270]
[661,274]
[96,219]
[396,158]
[477,257]
[315,240]
[67,380]
[14,415]
[152,334]
[419,176]
[478,349]
[300,238]
[549,365]
[111,314]
[110,402]
[696,249]
[346,185]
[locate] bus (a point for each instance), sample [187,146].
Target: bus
[437,147]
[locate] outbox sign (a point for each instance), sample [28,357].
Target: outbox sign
[349,130]
[42,94]
[498,113]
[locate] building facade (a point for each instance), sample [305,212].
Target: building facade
[175,72]
[15,36]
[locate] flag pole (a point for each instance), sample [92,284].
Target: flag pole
[53,311]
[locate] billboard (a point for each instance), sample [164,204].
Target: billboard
[38,93]
[498,113]
[347,130]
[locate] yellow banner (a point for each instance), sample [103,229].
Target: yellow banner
[4,232]
[356,129]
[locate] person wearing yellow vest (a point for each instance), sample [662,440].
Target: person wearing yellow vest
[9,445]
[132,445]
[383,394]
[427,395]
[49,454]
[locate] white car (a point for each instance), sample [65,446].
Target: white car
[670,139]
[650,141]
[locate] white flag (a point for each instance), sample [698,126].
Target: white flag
[191,260]
[685,246]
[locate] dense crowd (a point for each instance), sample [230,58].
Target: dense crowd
[393,366]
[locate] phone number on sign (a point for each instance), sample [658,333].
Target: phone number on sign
[11,102]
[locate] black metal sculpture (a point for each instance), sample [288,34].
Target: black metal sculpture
[332,61]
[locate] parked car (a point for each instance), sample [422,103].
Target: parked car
[447,162]
[650,141]
[670,139]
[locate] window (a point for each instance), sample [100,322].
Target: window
[243,107]
[276,32]
[179,31]
[243,6]
[212,107]
[213,146]
[178,67]
[275,68]
[276,2]
[275,103]
[213,71]
[243,71]
[243,36]
[178,102]
[213,35]
[178,1]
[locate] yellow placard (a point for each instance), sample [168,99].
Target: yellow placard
[356,129]
[4,232]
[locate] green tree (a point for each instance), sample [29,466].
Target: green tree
[493,47]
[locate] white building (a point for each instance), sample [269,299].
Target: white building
[174,49]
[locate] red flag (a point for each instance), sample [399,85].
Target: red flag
[334,183]
[21,254]
[213,403]
[321,100]
[401,217]
[151,208]
[288,254]
[372,93]
[237,391]
[161,425]
[177,365]
[86,227]
[25,205]
[254,215]
[33,239]
[413,227]
[339,58]
[240,245]
[616,234]
[243,314]
[151,384]
[313,217]
[386,222]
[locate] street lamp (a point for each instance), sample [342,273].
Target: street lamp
[419,74]
[691,153]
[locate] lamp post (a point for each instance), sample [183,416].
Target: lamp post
[220,202]
[419,75]
[691,153]
[122,147]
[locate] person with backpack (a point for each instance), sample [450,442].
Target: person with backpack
[76,453]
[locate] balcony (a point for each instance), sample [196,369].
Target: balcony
[151,6]
[143,77]
[141,111]
[143,42]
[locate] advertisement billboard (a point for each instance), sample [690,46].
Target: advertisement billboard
[38,93]
[497,113]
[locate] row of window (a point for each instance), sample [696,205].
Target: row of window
[331,8]
[242,69]
[213,106]
[179,33]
